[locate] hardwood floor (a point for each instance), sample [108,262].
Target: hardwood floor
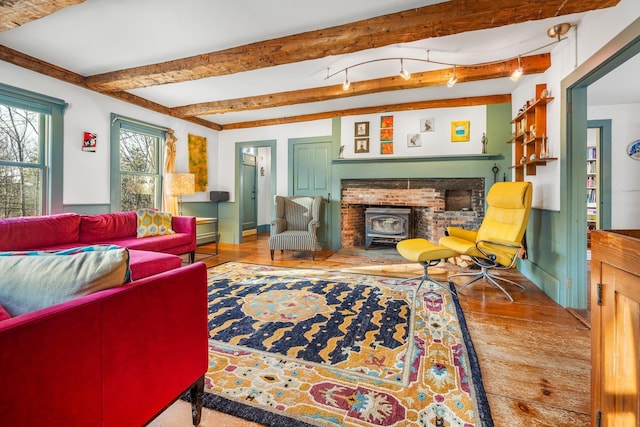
[534,355]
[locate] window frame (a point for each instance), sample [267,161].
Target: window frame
[132,125]
[51,135]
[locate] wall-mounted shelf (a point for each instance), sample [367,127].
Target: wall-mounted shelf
[443,158]
[529,136]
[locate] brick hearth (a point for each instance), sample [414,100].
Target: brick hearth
[428,198]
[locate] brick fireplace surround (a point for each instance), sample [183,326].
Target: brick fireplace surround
[435,204]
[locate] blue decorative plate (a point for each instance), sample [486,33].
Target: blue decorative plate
[634,150]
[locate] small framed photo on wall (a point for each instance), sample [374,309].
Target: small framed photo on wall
[361,129]
[428,125]
[361,145]
[89,142]
[414,140]
[460,131]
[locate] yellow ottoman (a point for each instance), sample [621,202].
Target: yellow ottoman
[427,254]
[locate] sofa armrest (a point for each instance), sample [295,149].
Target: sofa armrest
[184,224]
[314,224]
[155,343]
[278,225]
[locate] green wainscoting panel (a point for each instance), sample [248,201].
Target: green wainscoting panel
[201,209]
[546,261]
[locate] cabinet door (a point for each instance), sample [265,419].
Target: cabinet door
[619,361]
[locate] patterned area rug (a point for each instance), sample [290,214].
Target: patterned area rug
[313,347]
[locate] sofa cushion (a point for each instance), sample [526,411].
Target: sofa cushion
[37,279]
[25,233]
[145,263]
[164,243]
[152,222]
[115,225]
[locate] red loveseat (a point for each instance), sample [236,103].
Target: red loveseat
[148,255]
[116,358]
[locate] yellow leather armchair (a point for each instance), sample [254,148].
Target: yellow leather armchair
[496,244]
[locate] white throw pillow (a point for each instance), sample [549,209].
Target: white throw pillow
[34,280]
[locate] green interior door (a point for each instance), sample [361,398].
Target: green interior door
[248,189]
[312,177]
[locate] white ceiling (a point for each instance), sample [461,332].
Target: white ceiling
[98,36]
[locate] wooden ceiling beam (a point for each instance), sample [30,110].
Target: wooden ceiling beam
[421,105]
[34,64]
[534,64]
[14,13]
[442,19]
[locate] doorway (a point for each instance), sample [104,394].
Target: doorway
[248,194]
[580,99]
[255,185]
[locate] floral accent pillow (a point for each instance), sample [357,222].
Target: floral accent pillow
[152,222]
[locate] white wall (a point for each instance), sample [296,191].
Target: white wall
[433,143]
[593,32]
[86,174]
[625,172]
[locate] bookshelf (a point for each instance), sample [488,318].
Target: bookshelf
[529,136]
[592,191]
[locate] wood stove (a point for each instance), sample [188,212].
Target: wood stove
[388,225]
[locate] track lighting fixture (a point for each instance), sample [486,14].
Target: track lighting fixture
[556,32]
[453,79]
[404,73]
[517,73]
[346,84]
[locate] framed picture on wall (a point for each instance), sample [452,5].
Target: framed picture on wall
[460,131]
[427,125]
[361,145]
[414,140]
[361,129]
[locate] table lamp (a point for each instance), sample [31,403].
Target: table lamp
[179,184]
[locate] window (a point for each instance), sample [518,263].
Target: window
[30,175]
[136,153]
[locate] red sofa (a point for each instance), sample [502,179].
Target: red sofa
[148,255]
[115,358]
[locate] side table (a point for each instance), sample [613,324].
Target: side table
[207,232]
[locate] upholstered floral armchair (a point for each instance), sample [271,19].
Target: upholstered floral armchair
[296,224]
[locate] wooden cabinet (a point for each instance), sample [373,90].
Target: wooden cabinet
[615,323]
[530,135]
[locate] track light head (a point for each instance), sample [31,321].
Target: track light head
[517,73]
[346,84]
[404,73]
[558,30]
[453,79]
